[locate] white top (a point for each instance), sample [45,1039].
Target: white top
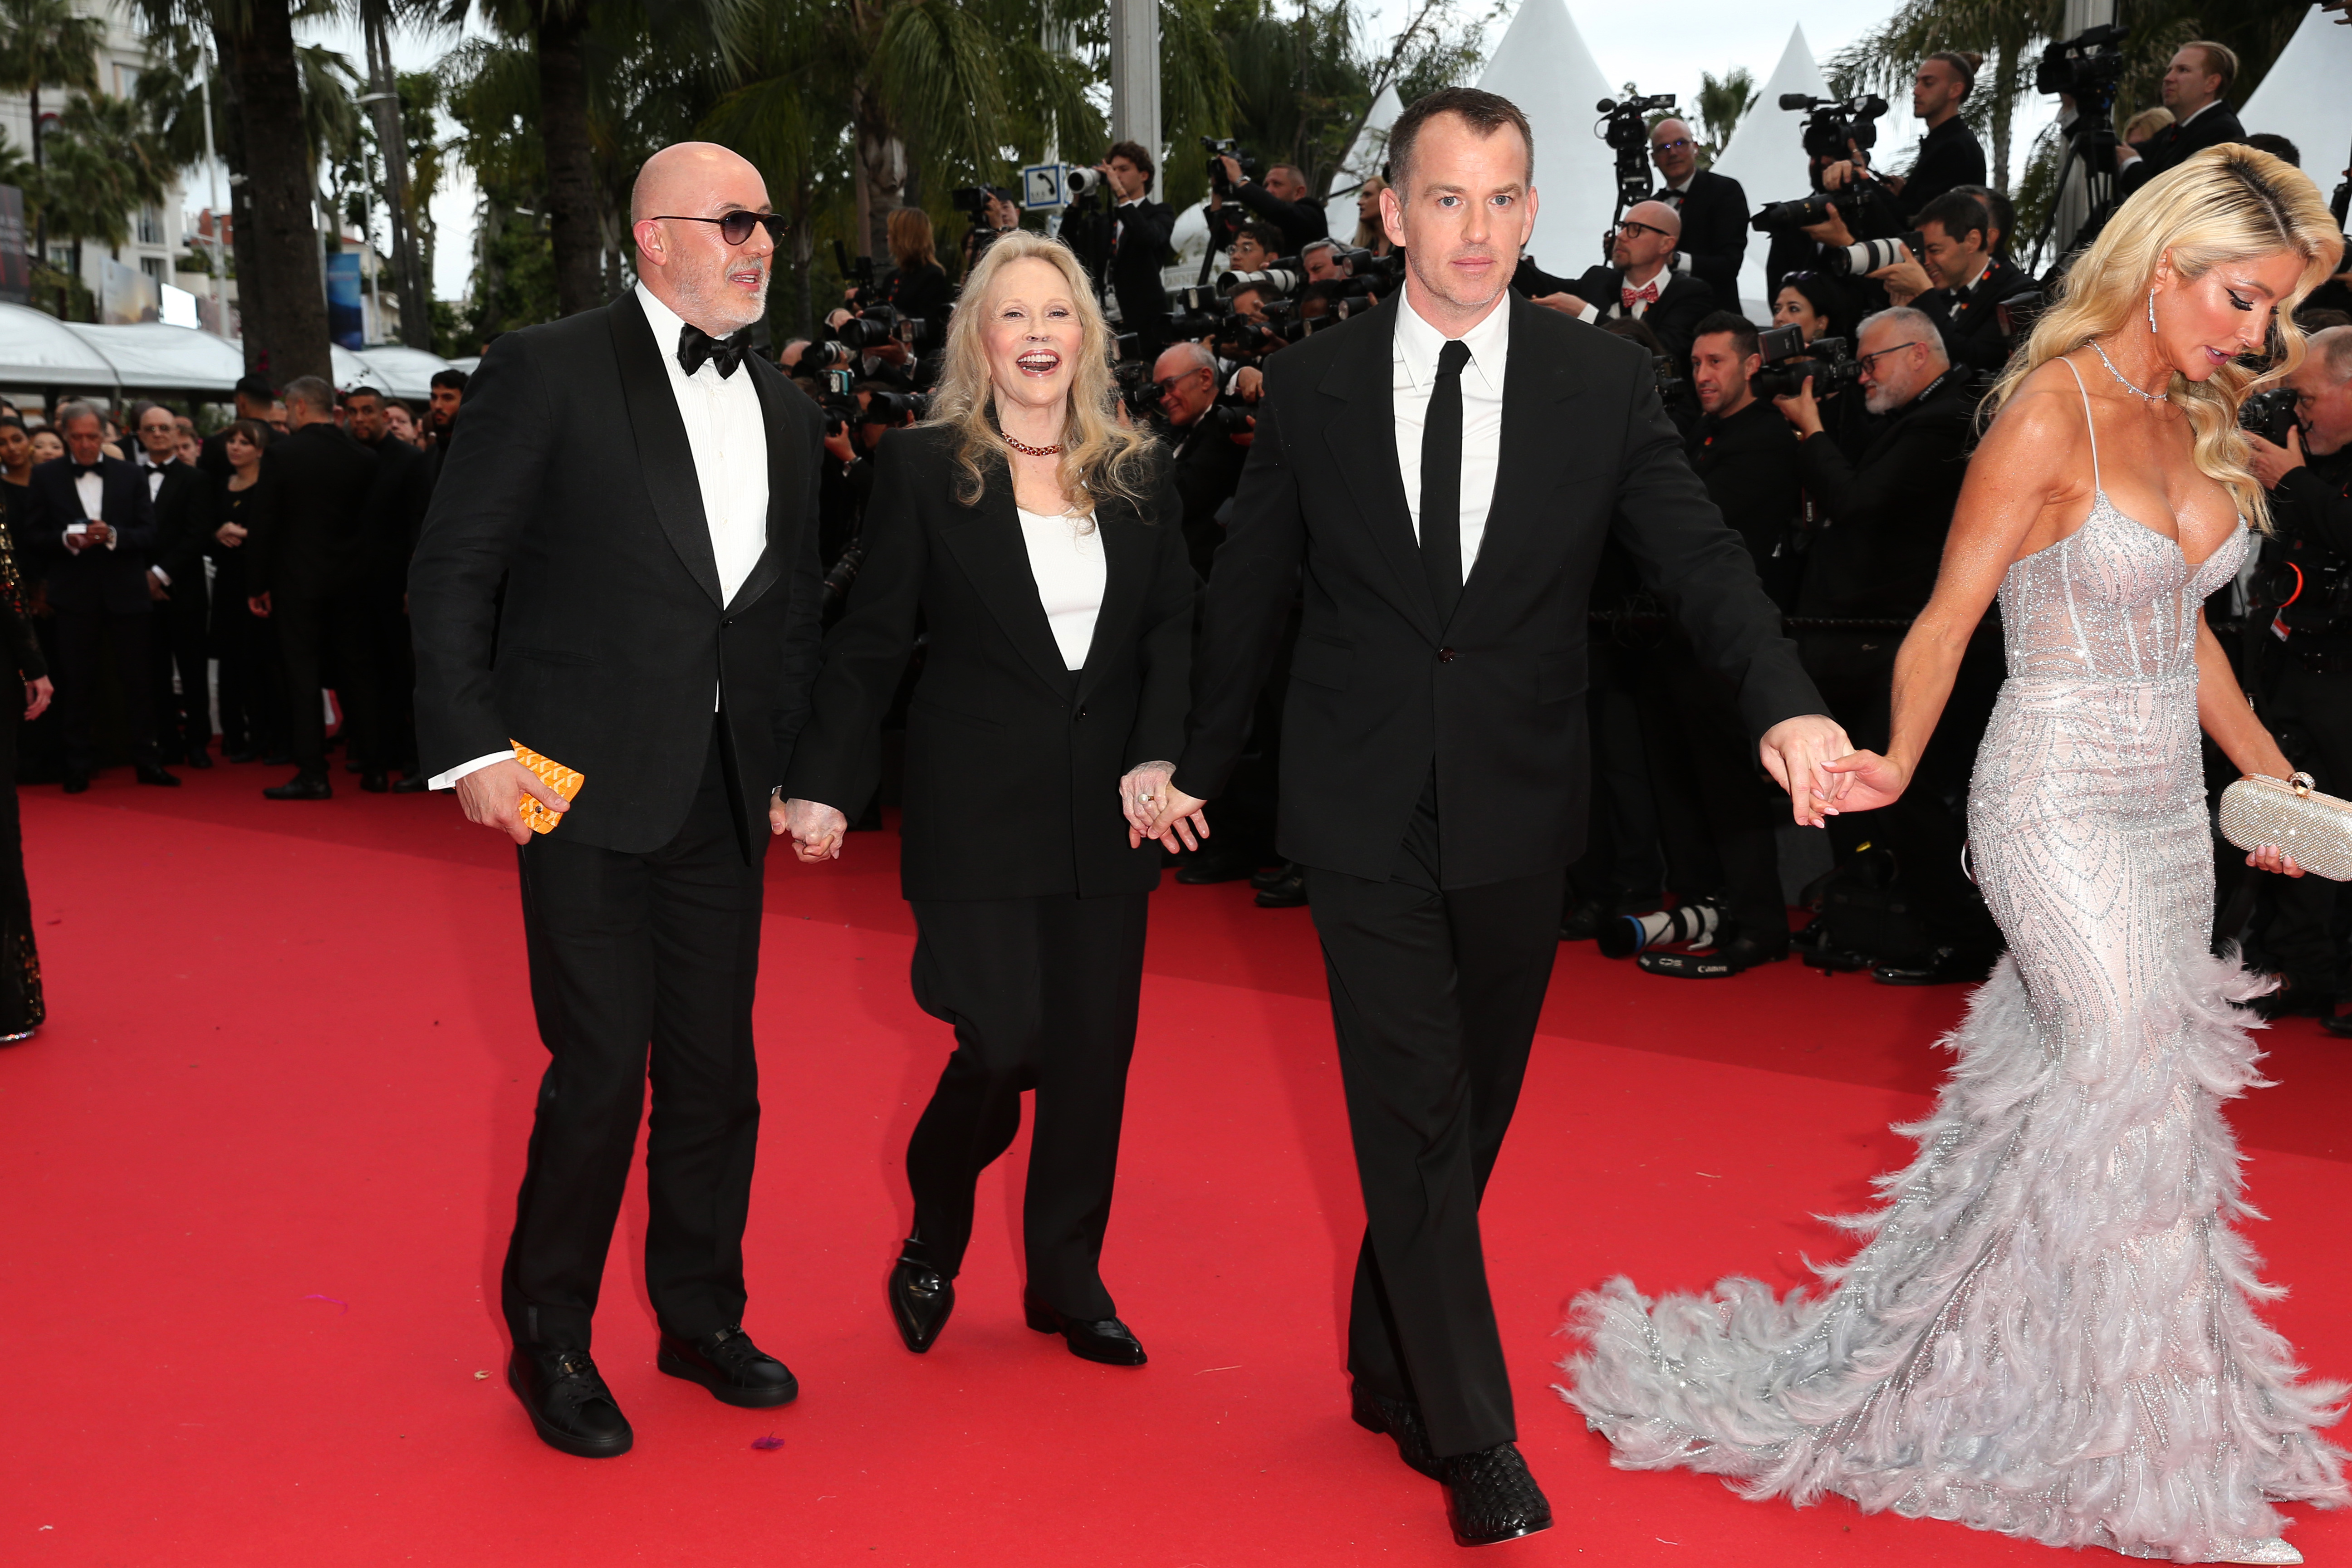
[1414,365]
[1065,557]
[730,442]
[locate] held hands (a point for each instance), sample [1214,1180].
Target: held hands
[817,829]
[1798,754]
[2273,463]
[1157,809]
[37,697]
[493,797]
[1870,781]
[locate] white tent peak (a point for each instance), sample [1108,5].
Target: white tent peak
[1364,158]
[1767,153]
[1542,65]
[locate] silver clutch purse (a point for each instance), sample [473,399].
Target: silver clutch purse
[2314,830]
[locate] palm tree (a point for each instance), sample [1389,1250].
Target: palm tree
[108,154]
[46,40]
[1722,105]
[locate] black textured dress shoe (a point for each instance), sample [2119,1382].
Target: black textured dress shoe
[1400,1419]
[736,1370]
[302,787]
[411,783]
[157,774]
[920,1301]
[1267,876]
[1583,919]
[1490,1497]
[1289,893]
[1103,1340]
[375,781]
[75,784]
[569,1403]
[1737,956]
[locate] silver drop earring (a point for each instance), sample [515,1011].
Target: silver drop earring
[2151,311]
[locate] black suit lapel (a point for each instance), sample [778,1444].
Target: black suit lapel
[1363,440]
[1538,381]
[787,479]
[1127,562]
[996,559]
[667,462]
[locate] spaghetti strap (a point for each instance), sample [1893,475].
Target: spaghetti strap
[2096,488]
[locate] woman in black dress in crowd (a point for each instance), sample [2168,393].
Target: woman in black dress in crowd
[22,1008]
[251,708]
[1037,542]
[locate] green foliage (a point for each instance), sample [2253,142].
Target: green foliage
[1722,105]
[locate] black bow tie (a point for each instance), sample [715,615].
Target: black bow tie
[82,469]
[696,347]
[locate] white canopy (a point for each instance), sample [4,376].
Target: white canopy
[2304,97]
[38,351]
[1362,161]
[392,368]
[154,357]
[1542,65]
[1767,156]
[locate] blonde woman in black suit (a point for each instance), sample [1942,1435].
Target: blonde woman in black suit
[1035,538]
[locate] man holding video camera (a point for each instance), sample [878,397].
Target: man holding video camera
[1282,200]
[1959,283]
[1712,207]
[2306,585]
[1875,558]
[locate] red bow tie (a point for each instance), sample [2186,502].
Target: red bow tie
[1647,292]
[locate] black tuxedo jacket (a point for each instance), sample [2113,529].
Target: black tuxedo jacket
[184,526]
[1133,268]
[313,519]
[1381,694]
[1749,465]
[1714,231]
[1889,511]
[1000,730]
[1970,320]
[570,480]
[98,578]
[404,489]
[1683,302]
[2177,144]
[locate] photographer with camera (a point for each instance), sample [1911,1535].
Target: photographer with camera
[2305,585]
[2194,86]
[1282,200]
[1712,207]
[1718,816]
[1124,246]
[1638,284]
[1885,516]
[1959,282]
[1829,230]
[994,215]
[1949,154]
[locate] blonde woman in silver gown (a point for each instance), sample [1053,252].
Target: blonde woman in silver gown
[2050,1329]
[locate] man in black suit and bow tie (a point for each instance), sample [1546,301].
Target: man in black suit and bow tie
[2194,85]
[182,495]
[91,527]
[1442,472]
[1639,282]
[1712,207]
[646,489]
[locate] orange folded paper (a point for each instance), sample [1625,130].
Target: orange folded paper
[565,781]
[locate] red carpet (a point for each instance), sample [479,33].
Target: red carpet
[261,1161]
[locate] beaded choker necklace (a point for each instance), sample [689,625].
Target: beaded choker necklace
[1028,451]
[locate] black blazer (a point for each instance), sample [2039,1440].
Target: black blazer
[184,526]
[1381,693]
[1889,511]
[1683,302]
[1715,230]
[1749,465]
[1141,240]
[112,579]
[1970,321]
[571,479]
[404,489]
[2177,144]
[1949,156]
[313,519]
[1000,731]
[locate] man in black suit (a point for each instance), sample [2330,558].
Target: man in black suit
[256,398]
[1136,240]
[1283,199]
[404,489]
[447,393]
[183,499]
[1949,154]
[645,488]
[1712,207]
[2194,87]
[91,528]
[1960,284]
[1444,469]
[1639,283]
[314,514]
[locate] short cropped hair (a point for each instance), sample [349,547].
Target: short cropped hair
[2220,59]
[1133,152]
[1956,214]
[311,392]
[257,387]
[1483,113]
[453,379]
[1742,331]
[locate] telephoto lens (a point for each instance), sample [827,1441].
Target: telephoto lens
[1635,933]
[1869,256]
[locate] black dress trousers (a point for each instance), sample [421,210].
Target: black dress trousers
[311,629]
[638,963]
[1041,992]
[1434,997]
[83,636]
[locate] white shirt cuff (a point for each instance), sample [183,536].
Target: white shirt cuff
[1589,314]
[449,780]
[1682,261]
[161,576]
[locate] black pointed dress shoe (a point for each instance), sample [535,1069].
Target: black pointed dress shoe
[568,1401]
[921,1300]
[1490,1497]
[1103,1340]
[1737,956]
[200,757]
[1287,893]
[1400,1419]
[157,774]
[302,787]
[736,1370]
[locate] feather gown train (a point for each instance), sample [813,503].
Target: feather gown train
[2049,1329]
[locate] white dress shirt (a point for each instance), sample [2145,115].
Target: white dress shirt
[1413,366]
[1592,312]
[728,438]
[1065,557]
[154,473]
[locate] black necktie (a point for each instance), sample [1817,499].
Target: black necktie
[1441,482]
[695,347]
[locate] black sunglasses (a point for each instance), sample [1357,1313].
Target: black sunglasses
[736,227]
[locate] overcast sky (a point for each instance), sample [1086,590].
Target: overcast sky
[1650,45]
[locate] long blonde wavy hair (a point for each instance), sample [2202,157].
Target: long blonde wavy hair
[1101,458]
[2231,203]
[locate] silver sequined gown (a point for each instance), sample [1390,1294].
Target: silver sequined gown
[2050,1330]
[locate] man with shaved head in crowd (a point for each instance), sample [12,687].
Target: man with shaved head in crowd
[644,487]
[1639,282]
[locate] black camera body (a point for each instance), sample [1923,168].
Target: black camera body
[2088,68]
[1837,127]
[1790,217]
[1218,151]
[1625,126]
[1136,390]
[890,407]
[2269,414]
[1790,361]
